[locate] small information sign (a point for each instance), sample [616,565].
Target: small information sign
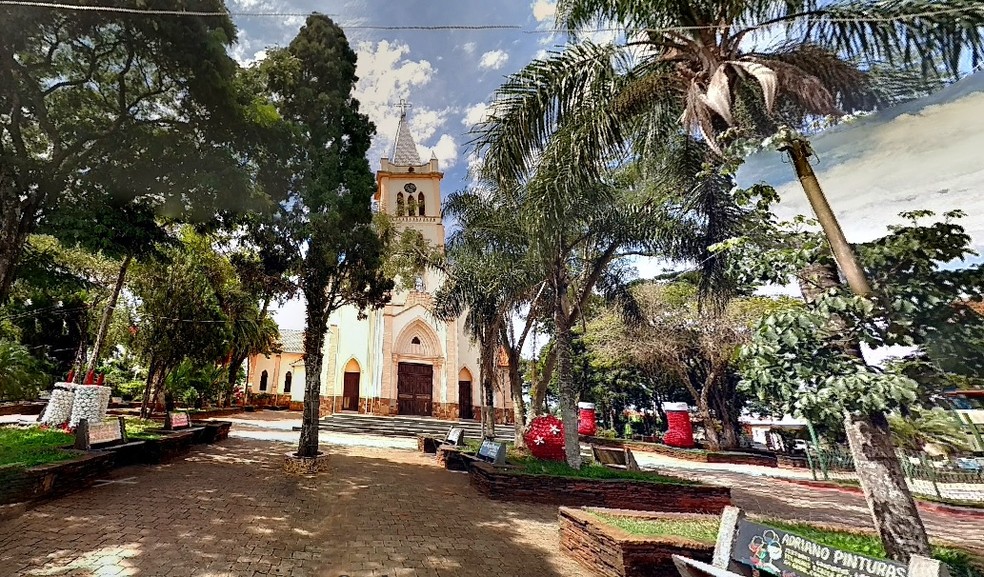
[776,552]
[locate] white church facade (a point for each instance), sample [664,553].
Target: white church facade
[400,359]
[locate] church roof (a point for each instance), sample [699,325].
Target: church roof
[405,149]
[292,341]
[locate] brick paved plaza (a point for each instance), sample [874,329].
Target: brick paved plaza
[228,510]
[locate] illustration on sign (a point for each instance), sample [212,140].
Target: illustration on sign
[773,551]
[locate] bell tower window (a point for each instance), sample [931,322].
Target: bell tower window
[401,208]
[420,204]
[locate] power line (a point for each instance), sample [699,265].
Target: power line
[437,27]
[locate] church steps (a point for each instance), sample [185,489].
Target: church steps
[398,426]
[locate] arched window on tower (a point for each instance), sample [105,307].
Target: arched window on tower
[420,204]
[411,206]
[401,208]
[287,379]
[263,380]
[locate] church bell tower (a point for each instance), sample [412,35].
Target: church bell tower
[409,190]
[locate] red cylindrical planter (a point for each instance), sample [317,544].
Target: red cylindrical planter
[586,424]
[681,432]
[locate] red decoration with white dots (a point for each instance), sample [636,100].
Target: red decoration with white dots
[545,438]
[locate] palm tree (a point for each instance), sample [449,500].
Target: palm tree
[489,277]
[694,69]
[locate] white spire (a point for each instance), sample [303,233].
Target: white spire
[404,148]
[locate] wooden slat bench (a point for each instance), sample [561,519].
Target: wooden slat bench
[615,458]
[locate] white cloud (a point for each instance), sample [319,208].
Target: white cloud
[475,114]
[544,9]
[446,151]
[386,76]
[469,47]
[493,59]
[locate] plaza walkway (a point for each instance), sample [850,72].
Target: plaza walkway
[227,510]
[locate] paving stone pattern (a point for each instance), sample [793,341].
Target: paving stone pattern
[228,510]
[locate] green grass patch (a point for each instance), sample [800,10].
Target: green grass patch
[592,470]
[140,430]
[699,530]
[589,470]
[33,446]
[961,563]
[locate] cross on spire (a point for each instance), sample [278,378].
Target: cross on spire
[403,105]
[404,148]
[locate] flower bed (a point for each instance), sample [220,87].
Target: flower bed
[646,492]
[697,455]
[614,551]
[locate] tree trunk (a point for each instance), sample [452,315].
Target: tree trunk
[538,394]
[148,387]
[515,387]
[314,337]
[799,150]
[18,218]
[565,377]
[519,404]
[107,316]
[893,510]
[883,483]
[711,435]
[729,436]
[488,382]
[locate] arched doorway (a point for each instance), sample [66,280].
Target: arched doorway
[350,386]
[465,395]
[416,352]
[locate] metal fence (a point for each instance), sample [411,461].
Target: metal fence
[945,480]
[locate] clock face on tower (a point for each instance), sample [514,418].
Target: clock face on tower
[410,187]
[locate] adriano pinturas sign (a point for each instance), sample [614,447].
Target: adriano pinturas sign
[773,551]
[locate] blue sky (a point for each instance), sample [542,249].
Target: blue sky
[448,76]
[921,155]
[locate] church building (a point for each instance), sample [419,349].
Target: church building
[400,360]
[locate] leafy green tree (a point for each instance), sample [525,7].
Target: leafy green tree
[807,360]
[180,316]
[668,336]
[121,106]
[21,377]
[490,277]
[327,217]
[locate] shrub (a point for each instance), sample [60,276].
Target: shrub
[607,434]
[21,377]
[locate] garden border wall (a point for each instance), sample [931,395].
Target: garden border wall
[696,455]
[612,552]
[511,485]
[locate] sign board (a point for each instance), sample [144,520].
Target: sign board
[177,420]
[99,433]
[104,432]
[455,436]
[776,552]
[493,452]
